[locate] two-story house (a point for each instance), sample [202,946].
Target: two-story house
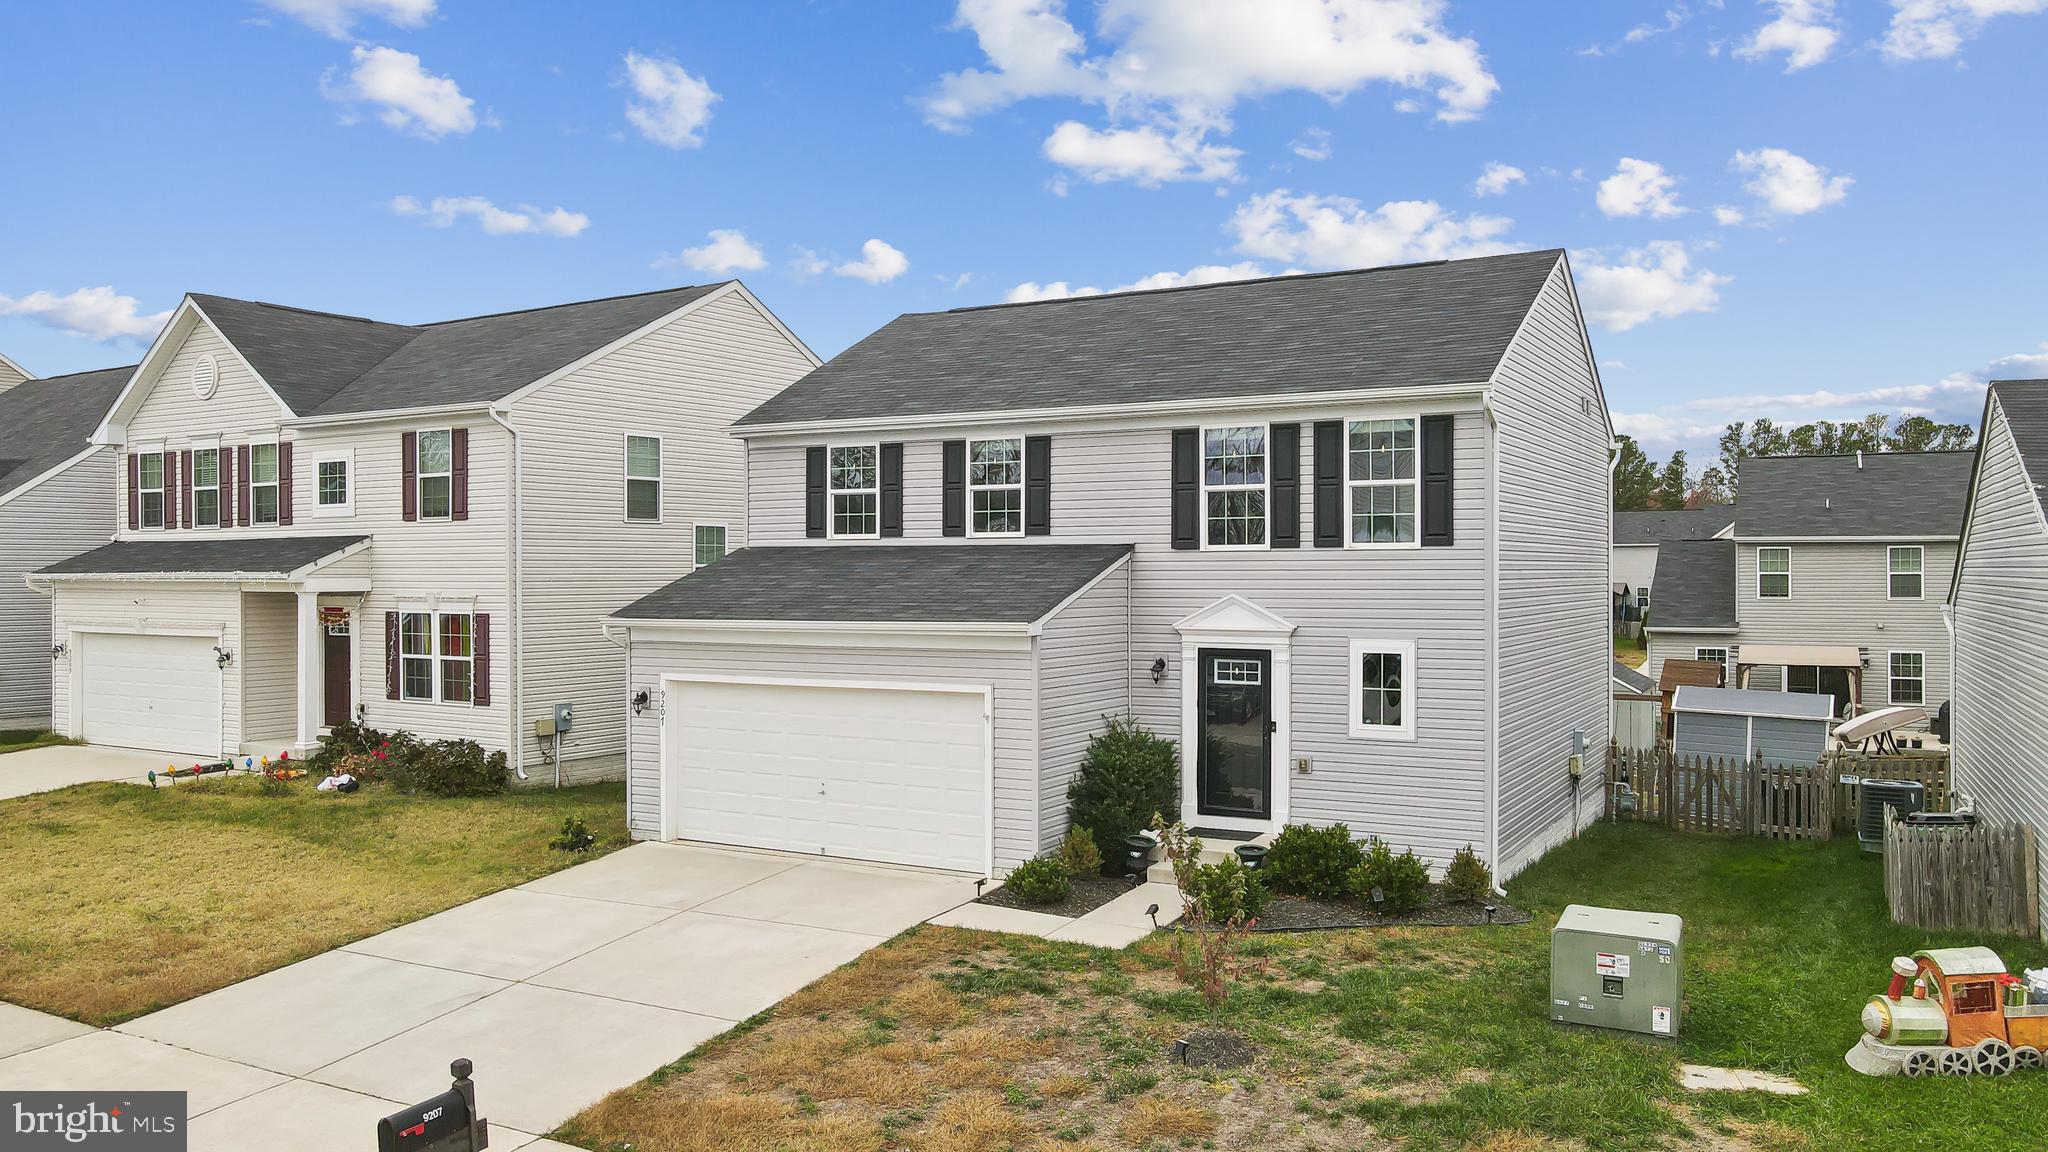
[1343,537]
[324,517]
[1832,582]
[53,485]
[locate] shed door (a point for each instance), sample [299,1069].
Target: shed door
[156,692]
[884,774]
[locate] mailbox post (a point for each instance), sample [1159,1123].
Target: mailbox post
[446,1123]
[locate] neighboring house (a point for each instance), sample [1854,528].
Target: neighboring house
[2000,612]
[324,517]
[53,486]
[1343,537]
[1832,581]
[12,374]
[1638,534]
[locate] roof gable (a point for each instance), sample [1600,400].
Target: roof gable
[45,422]
[2024,404]
[1656,526]
[1874,494]
[1694,586]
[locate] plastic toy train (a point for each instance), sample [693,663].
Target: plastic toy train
[1951,1012]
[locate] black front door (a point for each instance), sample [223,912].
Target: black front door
[1234,769]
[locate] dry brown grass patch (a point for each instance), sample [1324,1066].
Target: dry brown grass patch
[726,1124]
[970,1122]
[876,975]
[1162,1118]
[1063,1087]
[927,1004]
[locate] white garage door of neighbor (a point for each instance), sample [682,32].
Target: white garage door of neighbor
[155,692]
[893,775]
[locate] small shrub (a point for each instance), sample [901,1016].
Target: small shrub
[1402,881]
[1040,881]
[1313,861]
[448,768]
[1468,877]
[1080,854]
[1129,775]
[1226,891]
[575,837]
[345,740]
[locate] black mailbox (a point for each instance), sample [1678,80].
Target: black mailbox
[446,1123]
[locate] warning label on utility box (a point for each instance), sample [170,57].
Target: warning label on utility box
[1660,1020]
[1611,963]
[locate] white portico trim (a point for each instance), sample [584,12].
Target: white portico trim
[1235,622]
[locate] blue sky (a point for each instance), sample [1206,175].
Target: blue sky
[1791,208]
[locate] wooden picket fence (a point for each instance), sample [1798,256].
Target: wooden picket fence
[1929,768]
[1967,877]
[1722,795]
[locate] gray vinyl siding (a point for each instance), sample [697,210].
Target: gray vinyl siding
[1008,673]
[1788,742]
[1710,734]
[58,519]
[685,383]
[1553,599]
[1680,646]
[1839,596]
[1084,661]
[2001,646]
[270,681]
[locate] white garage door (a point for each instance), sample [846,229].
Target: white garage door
[886,774]
[155,692]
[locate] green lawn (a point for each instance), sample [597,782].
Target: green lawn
[22,739]
[116,900]
[1419,1039]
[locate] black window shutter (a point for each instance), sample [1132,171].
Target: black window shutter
[1283,463]
[1038,485]
[1329,483]
[814,492]
[953,488]
[892,489]
[1187,488]
[1437,502]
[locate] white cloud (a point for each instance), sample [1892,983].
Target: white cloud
[1338,232]
[879,264]
[672,106]
[804,263]
[522,220]
[1790,185]
[726,250]
[1805,31]
[2020,366]
[1936,29]
[1496,179]
[337,18]
[1201,274]
[95,313]
[1660,429]
[1312,144]
[1728,215]
[1145,154]
[413,99]
[1654,282]
[1639,187]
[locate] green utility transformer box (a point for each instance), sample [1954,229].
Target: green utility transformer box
[1615,969]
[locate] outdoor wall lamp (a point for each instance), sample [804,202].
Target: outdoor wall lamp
[1159,669]
[222,657]
[640,701]
[58,651]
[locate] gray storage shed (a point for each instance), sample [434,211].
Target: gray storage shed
[1783,728]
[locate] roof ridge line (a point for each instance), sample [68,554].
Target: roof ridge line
[303,311]
[81,372]
[571,304]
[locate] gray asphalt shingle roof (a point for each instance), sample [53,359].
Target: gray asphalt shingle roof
[323,364]
[897,583]
[46,422]
[1447,322]
[1655,527]
[1890,494]
[2025,404]
[1633,680]
[1694,586]
[192,554]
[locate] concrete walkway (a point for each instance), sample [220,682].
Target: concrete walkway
[62,765]
[1119,923]
[559,991]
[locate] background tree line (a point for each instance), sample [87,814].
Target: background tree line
[1642,483]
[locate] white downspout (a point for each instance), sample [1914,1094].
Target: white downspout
[1493,638]
[604,628]
[518,590]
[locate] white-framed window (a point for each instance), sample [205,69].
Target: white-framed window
[263,483]
[206,487]
[995,487]
[643,478]
[1905,572]
[434,468]
[1718,656]
[1774,573]
[1643,599]
[708,542]
[853,486]
[437,656]
[149,485]
[1382,703]
[333,484]
[1384,482]
[1908,677]
[1234,492]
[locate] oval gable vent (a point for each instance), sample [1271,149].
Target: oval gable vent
[205,377]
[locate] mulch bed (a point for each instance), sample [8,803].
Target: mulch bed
[1300,914]
[1090,893]
[1213,1048]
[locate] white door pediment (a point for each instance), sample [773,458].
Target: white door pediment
[1235,616]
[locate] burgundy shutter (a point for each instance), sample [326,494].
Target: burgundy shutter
[134,491]
[391,655]
[892,490]
[458,479]
[1038,485]
[814,492]
[953,488]
[185,467]
[1329,495]
[480,666]
[1437,502]
[225,460]
[1187,489]
[242,485]
[410,470]
[1283,464]
[171,487]
[284,482]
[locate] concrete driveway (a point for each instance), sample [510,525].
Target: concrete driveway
[62,765]
[559,991]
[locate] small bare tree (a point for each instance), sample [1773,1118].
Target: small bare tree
[1218,906]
